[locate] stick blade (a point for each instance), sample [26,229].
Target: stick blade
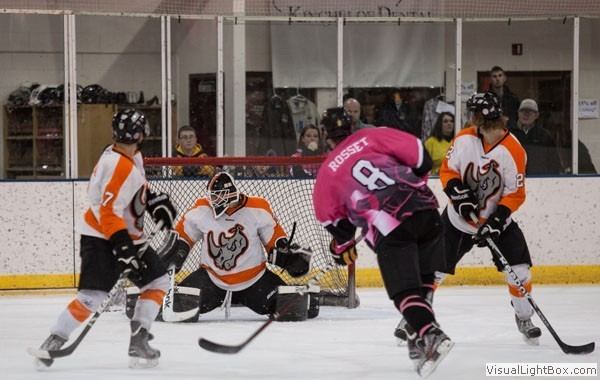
[38,353]
[219,348]
[578,350]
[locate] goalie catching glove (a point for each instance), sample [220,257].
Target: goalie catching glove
[161,208]
[291,257]
[174,250]
[343,254]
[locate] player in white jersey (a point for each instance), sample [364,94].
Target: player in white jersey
[234,230]
[112,241]
[484,173]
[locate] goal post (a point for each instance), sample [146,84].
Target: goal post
[287,183]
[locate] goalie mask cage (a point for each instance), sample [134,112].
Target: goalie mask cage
[290,196]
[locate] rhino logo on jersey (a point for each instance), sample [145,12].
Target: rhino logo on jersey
[487,181]
[228,248]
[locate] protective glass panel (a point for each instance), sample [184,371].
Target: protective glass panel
[589,97]
[32,67]
[528,65]
[194,67]
[400,84]
[291,78]
[118,67]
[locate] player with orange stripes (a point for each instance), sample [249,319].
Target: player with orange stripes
[113,241]
[484,173]
[232,229]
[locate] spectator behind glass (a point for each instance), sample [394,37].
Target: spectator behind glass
[509,102]
[542,151]
[352,108]
[397,114]
[441,137]
[310,143]
[187,146]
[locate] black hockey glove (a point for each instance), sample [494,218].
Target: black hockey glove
[293,258]
[464,200]
[127,255]
[161,208]
[493,227]
[343,254]
[174,251]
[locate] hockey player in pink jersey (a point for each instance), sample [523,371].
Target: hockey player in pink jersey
[376,179]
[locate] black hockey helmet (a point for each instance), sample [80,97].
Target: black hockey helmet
[486,103]
[337,123]
[129,126]
[222,192]
[93,94]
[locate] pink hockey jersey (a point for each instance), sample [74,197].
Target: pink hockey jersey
[368,179]
[497,173]
[117,196]
[232,245]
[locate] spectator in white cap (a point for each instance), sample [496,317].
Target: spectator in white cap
[542,152]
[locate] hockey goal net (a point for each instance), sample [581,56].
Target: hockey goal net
[286,182]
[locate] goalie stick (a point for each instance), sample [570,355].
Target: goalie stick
[234,349]
[566,348]
[66,351]
[168,314]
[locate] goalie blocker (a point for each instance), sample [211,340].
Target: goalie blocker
[293,303]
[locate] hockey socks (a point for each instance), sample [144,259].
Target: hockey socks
[416,310]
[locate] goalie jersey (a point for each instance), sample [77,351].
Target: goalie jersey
[496,173]
[368,178]
[117,196]
[232,245]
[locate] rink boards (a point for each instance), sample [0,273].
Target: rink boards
[560,219]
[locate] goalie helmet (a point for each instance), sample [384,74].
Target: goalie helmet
[337,123]
[222,193]
[486,103]
[129,126]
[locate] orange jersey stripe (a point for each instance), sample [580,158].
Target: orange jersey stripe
[239,277]
[78,310]
[109,221]
[155,295]
[446,173]
[180,226]
[261,203]
[514,200]
[515,292]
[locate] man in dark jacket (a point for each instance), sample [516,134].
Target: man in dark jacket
[397,114]
[509,102]
[542,152]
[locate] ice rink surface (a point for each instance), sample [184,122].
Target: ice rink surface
[339,344]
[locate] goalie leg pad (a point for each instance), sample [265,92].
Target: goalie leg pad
[292,303]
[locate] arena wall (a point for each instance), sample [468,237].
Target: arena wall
[560,220]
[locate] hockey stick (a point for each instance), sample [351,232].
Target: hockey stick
[234,349]
[168,314]
[66,351]
[566,348]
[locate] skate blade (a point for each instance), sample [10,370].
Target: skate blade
[531,341]
[400,342]
[429,366]
[38,353]
[141,363]
[42,364]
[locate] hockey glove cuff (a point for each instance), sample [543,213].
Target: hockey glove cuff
[464,200]
[126,254]
[343,254]
[294,259]
[493,227]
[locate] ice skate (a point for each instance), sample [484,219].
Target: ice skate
[400,332]
[434,346]
[531,333]
[140,353]
[414,351]
[53,342]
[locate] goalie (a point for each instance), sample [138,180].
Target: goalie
[232,228]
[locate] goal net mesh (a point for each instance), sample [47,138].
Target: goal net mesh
[290,197]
